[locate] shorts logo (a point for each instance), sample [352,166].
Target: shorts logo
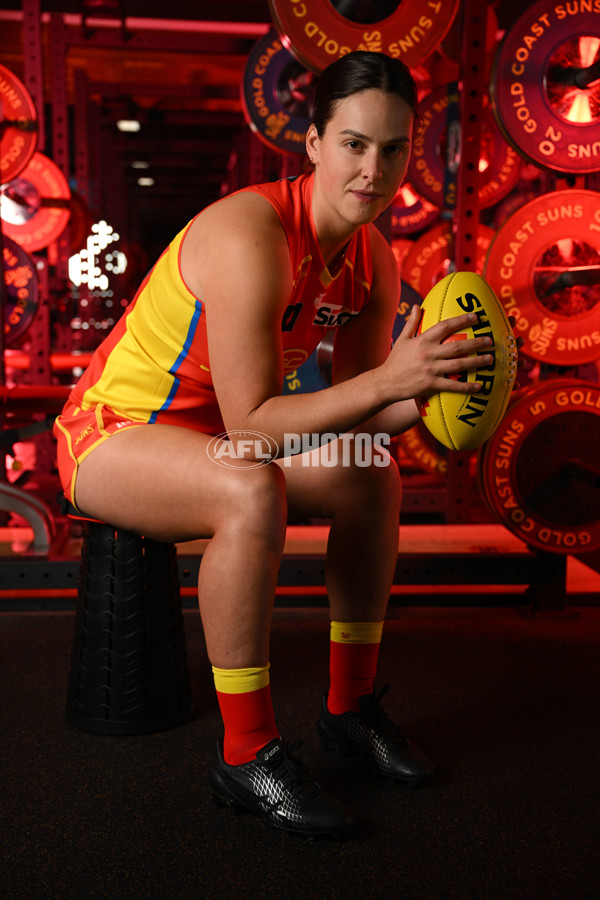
[83,434]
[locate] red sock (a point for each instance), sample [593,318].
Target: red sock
[244,697]
[354,650]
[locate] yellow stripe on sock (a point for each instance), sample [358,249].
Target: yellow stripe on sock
[356,632]
[240,681]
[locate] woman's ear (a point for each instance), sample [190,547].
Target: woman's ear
[312,143]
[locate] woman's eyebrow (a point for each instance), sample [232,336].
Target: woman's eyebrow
[403,139]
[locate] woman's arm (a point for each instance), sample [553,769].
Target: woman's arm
[241,268]
[366,341]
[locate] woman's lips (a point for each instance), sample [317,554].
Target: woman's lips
[366,196]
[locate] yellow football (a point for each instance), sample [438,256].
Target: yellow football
[465,421]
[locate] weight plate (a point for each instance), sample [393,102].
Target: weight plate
[408,298]
[482,478]
[434,175]
[18,126]
[418,443]
[432,256]
[544,264]
[510,205]
[400,249]
[411,212]
[35,205]
[277,95]
[22,290]
[320,31]
[422,448]
[545,85]
[539,470]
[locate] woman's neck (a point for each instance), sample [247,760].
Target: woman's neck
[333,233]
[333,243]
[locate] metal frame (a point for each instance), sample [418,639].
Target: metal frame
[34,72]
[537,580]
[466,212]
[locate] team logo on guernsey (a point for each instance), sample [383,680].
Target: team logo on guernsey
[293,359]
[331,315]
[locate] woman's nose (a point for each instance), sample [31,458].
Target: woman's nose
[372,168]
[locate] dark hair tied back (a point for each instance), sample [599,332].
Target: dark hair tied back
[361,70]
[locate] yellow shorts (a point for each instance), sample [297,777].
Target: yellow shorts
[77,432]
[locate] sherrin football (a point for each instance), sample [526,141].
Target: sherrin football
[465,421]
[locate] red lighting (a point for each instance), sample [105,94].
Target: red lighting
[567,278]
[574,93]
[407,196]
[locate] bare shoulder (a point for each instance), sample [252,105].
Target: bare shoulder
[237,234]
[245,208]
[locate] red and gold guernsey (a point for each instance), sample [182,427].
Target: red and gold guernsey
[154,366]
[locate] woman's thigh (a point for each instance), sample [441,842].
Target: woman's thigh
[163,481]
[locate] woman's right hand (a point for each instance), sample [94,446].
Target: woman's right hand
[423,364]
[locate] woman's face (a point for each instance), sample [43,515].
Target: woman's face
[362,158]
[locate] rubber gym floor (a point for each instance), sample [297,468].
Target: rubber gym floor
[506,704]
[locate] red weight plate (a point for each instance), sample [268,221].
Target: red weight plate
[18,126]
[545,85]
[539,470]
[277,95]
[401,247]
[432,256]
[22,290]
[35,205]
[499,164]
[482,480]
[418,443]
[408,299]
[422,448]
[544,265]
[511,205]
[317,34]
[411,212]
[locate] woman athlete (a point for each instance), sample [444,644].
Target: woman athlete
[243,294]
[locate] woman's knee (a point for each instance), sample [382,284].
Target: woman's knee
[255,500]
[372,483]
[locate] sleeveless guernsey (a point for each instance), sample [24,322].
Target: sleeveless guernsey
[154,365]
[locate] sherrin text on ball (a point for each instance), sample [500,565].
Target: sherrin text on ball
[465,421]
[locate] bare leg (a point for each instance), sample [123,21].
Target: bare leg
[364,505]
[159,481]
